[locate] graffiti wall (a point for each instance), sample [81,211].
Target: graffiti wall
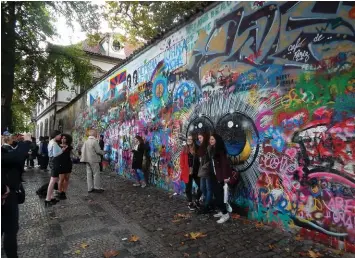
[275,79]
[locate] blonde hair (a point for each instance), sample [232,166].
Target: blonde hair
[92,132]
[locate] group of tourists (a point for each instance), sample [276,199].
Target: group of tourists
[203,161]
[208,166]
[20,151]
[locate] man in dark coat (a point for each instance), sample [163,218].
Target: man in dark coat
[12,162]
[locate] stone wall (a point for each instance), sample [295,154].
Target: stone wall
[276,80]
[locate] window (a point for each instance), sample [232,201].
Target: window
[41,130]
[116,45]
[46,132]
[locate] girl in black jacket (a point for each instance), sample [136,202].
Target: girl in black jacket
[137,162]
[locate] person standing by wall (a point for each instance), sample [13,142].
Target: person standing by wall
[54,152]
[90,154]
[221,175]
[102,145]
[32,154]
[137,162]
[204,172]
[44,154]
[39,153]
[189,165]
[66,166]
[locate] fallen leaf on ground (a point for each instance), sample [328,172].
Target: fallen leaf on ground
[314,254]
[298,238]
[84,245]
[182,243]
[77,252]
[186,255]
[272,246]
[176,220]
[259,225]
[133,238]
[199,254]
[195,235]
[181,215]
[111,253]
[338,252]
[235,216]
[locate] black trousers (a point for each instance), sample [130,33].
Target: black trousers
[30,162]
[100,164]
[188,187]
[44,162]
[10,225]
[218,192]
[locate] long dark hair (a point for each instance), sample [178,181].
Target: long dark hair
[69,139]
[220,147]
[140,139]
[203,147]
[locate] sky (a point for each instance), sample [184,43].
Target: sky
[66,34]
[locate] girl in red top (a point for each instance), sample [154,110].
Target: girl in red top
[189,164]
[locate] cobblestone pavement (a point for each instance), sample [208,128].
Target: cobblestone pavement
[88,225]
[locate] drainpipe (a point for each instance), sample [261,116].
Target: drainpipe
[55,109]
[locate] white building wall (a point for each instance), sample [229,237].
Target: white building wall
[43,120]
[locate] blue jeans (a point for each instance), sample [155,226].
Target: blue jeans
[206,188]
[139,174]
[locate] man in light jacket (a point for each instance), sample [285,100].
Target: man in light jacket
[90,154]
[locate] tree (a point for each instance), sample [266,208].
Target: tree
[29,60]
[146,20]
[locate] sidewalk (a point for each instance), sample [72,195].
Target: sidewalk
[90,225]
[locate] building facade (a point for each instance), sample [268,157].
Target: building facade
[103,57]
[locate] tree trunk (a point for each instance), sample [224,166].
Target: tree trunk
[8,23]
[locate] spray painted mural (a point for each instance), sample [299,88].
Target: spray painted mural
[276,80]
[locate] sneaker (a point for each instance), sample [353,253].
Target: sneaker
[136,185]
[218,215]
[91,191]
[191,206]
[144,185]
[223,219]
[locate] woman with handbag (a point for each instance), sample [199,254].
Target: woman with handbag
[189,165]
[221,174]
[204,172]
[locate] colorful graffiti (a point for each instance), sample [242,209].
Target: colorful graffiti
[275,79]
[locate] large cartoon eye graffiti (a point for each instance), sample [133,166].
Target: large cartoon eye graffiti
[239,133]
[200,124]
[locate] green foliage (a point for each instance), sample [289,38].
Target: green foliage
[21,114]
[145,20]
[32,61]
